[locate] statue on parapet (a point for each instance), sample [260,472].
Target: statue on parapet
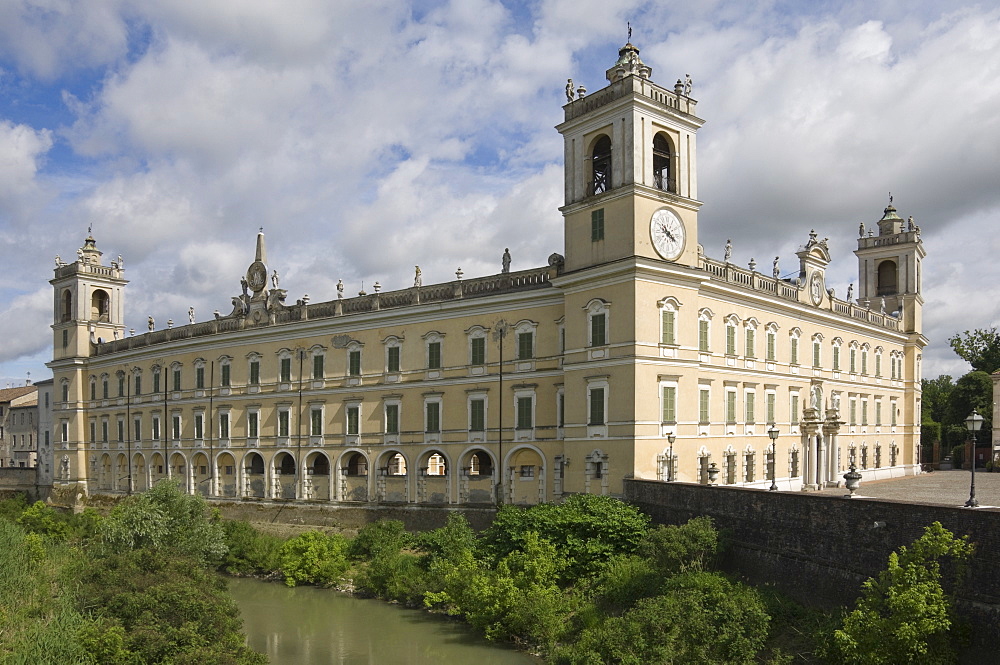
[569,90]
[688,84]
[729,250]
[274,279]
[190,314]
[775,271]
[505,260]
[150,324]
[340,289]
[418,277]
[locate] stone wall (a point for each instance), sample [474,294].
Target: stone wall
[819,548]
[415,517]
[14,480]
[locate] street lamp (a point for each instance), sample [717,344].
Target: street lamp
[973,422]
[773,433]
[670,459]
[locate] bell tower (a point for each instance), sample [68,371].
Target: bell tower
[89,302]
[629,152]
[889,268]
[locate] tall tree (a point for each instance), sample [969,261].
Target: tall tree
[979,347]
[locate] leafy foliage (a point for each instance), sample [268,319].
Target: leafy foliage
[980,348]
[250,551]
[314,558]
[380,537]
[904,615]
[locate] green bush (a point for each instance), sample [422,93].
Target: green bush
[314,558]
[395,576]
[250,552]
[673,549]
[700,618]
[381,536]
[625,580]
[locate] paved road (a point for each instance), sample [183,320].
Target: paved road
[950,488]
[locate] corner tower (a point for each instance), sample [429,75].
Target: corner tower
[630,169]
[89,302]
[889,268]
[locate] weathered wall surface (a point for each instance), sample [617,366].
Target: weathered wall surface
[819,548]
[416,518]
[15,479]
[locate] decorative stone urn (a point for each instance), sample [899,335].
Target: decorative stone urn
[713,473]
[853,480]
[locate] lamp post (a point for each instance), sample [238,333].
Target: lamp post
[773,433]
[973,422]
[670,458]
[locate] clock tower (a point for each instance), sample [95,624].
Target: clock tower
[630,181]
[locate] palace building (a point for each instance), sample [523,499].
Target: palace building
[631,355]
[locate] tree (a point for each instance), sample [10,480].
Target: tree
[980,348]
[904,615]
[935,394]
[972,391]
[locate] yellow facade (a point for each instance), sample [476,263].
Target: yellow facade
[607,354]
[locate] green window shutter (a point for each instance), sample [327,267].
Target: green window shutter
[854,361]
[286,370]
[226,376]
[319,371]
[478,350]
[751,399]
[771,343]
[253,425]
[317,422]
[864,362]
[121,386]
[731,340]
[434,355]
[393,359]
[433,417]
[703,406]
[854,412]
[177,429]
[703,335]
[224,425]
[669,404]
[794,358]
[353,419]
[731,406]
[354,363]
[199,378]
[750,343]
[282,423]
[156,383]
[597,225]
[836,359]
[524,413]
[392,419]
[477,415]
[525,342]
[667,327]
[596,406]
[864,413]
[199,426]
[770,408]
[598,336]
[878,365]
[794,416]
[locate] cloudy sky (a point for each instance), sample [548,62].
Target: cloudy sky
[369,136]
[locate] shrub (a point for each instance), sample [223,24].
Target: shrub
[314,558]
[673,549]
[381,536]
[251,551]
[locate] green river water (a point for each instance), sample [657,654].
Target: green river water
[310,626]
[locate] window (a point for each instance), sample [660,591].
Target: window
[854,360]
[156,428]
[137,429]
[255,372]
[668,320]
[354,362]
[65,392]
[596,399]
[597,225]
[432,417]
[253,424]
[392,359]
[892,412]
[478,350]
[854,411]
[703,406]
[878,365]
[121,430]
[477,414]
[836,357]
[669,399]
[816,353]
[703,335]
[793,416]
[121,384]
[864,362]
[524,415]
[225,379]
[65,431]
[730,338]
[156,381]
[751,399]
[318,370]
[770,399]
[177,379]
[104,387]
[175,425]
[353,420]
[93,390]
[600,181]
[772,344]
[525,345]
[598,332]
[283,423]
[199,378]
[730,407]
[316,421]
[223,425]
[793,358]
[878,412]
[662,178]
[199,426]
[434,355]
[285,370]
[392,418]
[864,412]
[751,343]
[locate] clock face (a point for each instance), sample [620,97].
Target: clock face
[666,230]
[816,288]
[256,276]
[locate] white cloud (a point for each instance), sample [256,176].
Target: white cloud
[24,325]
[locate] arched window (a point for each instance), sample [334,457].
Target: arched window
[67,305]
[663,176]
[887,284]
[601,163]
[100,306]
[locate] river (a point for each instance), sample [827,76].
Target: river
[310,626]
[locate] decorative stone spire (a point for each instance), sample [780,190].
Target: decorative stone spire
[89,252]
[891,223]
[628,64]
[261,254]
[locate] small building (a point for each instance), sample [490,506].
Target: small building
[19,426]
